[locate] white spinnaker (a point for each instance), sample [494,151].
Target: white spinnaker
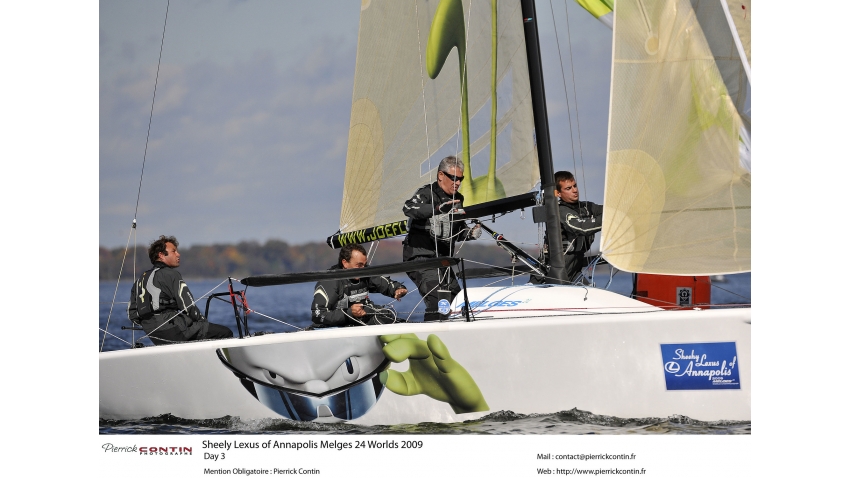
[388,156]
[677,197]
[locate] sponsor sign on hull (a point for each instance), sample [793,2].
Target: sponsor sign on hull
[701,366]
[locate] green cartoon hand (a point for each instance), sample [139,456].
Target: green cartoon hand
[432,371]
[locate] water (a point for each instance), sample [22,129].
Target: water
[570,422]
[291,304]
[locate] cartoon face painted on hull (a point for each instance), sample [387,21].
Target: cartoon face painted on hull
[328,380]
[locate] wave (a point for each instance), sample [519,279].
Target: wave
[569,422]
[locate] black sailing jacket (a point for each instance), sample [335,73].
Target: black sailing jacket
[332,299]
[420,209]
[580,221]
[170,295]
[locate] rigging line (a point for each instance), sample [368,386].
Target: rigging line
[575,98]
[118,282]
[150,119]
[511,278]
[464,83]
[423,297]
[497,241]
[466,238]
[185,309]
[352,318]
[424,111]
[394,314]
[135,247]
[142,174]
[519,242]
[422,86]
[482,263]
[272,318]
[462,78]
[439,283]
[564,80]
[373,249]
[729,291]
[574,314]
[117,337]
[667,305]
[487,264]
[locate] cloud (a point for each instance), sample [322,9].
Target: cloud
[234,144]
[249,136]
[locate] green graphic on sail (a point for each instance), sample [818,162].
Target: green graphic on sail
[677,188]
[447,32]
[435,79]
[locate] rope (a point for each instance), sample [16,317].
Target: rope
[729,291]
[184,310]
[460,119]
[422,86]
[141,177]
[150,119]
[386,307]
[425,295]
[512,277]
[460,319]
[276,320]
[560,315]
[352,317]
[117,283]
[105,333]
[564,80]
[575,96]
[373,249]
[428,146]
[135,234]
[522,273]
[424,106]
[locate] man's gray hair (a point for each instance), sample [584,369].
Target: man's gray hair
[448,162]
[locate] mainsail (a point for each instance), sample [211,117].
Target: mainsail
[677,188]
[426,86]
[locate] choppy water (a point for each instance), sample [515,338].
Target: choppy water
[570,422]
[291,304]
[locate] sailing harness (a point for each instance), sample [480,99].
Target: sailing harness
[147,299]
[440,225]
[358,293]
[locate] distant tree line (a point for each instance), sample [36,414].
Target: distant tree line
[274,257]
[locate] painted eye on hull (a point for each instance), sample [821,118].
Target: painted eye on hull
[273,377]
[350,369]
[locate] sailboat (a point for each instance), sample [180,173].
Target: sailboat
[464,76]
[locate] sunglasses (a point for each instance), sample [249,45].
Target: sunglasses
[453,178]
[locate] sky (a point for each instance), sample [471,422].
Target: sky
[250,121]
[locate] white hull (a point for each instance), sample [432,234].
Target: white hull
[605,357]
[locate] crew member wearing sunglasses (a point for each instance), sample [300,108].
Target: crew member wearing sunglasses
[435,224]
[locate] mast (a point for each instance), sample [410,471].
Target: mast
[544,147]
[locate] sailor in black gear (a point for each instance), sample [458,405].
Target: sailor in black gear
[580,221]
[340,302]
[160,301]
[434,225]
